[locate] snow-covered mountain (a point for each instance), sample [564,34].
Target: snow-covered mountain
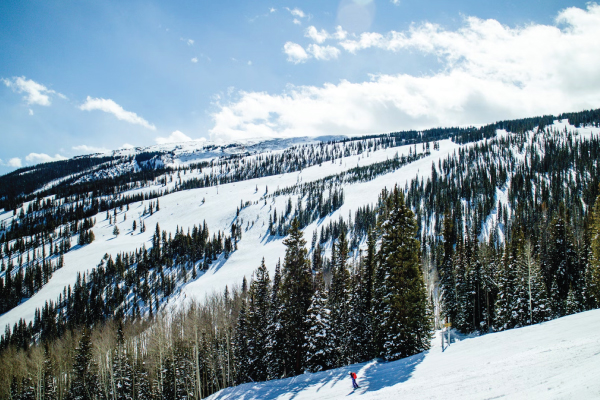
[138,232]
[247,202]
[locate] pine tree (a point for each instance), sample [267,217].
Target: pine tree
[116,231]
[319,344]
[563,269]
[338,303]
[240,346]
[446,269]
[275,351]
[593,269]
[49,389]
[406,323]
[259,297]
[505,300]
[296,294]
[84,384]
[360,345]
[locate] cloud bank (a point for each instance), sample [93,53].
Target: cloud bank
[109,106]
[489,72]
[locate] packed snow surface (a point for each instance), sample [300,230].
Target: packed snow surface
[559,359]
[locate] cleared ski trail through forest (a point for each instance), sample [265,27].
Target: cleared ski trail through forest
[559,359]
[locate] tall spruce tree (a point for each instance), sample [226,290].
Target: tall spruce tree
[338,302]
[360,329]
[84,383]
[259,297]
[240,345]
[296,294]
[593,269]
[319,343]
[446,269]
[407,323]
[275,350]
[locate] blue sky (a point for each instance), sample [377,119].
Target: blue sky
[87,76]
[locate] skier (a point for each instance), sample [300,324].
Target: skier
[354,384]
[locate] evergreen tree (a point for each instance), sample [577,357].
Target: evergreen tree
[240,346]
[406,321]
[446,269]
[338,303]
[563,261]
[259,297]
[360,344]
[49,389]
[319,344]
[505,301]
[84,383]
[296,293]
[275,350]
[593,269]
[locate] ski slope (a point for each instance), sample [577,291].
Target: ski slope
[559,359]
[184,209]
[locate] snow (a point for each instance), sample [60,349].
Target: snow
[559,359]
[185,209]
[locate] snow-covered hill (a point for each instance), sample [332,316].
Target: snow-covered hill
[218,204]
[559,359]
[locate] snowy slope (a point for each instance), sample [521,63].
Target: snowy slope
[559,359]
[185,209]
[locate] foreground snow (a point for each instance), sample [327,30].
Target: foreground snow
[559,359]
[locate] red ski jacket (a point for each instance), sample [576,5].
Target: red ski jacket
[353,375]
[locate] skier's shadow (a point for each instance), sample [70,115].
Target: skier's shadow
[372,376]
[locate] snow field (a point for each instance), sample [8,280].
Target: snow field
[559,359]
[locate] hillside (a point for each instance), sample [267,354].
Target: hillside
[558,359]
[196,250]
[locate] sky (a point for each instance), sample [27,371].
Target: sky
[93,76]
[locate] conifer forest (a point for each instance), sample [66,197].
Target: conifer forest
[500,232]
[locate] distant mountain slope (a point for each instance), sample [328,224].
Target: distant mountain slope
[558,359]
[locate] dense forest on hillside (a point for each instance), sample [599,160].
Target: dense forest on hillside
[504,233]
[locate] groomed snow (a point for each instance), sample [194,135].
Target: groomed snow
[559,359]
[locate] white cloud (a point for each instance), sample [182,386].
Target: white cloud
[488,72]
[395,2]
[35,93]
[320,36]
[14,162]
[340,34]
[190,42]
[127,146]
[175,137]
[30,111]
[109,106]
[272,10]
[323,52]
[295,53]
[250,62]
[296,12]
[85,149]
[316,35]
[36,158]
[297,21]
[195,60]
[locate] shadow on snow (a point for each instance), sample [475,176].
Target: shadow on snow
[372,376]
